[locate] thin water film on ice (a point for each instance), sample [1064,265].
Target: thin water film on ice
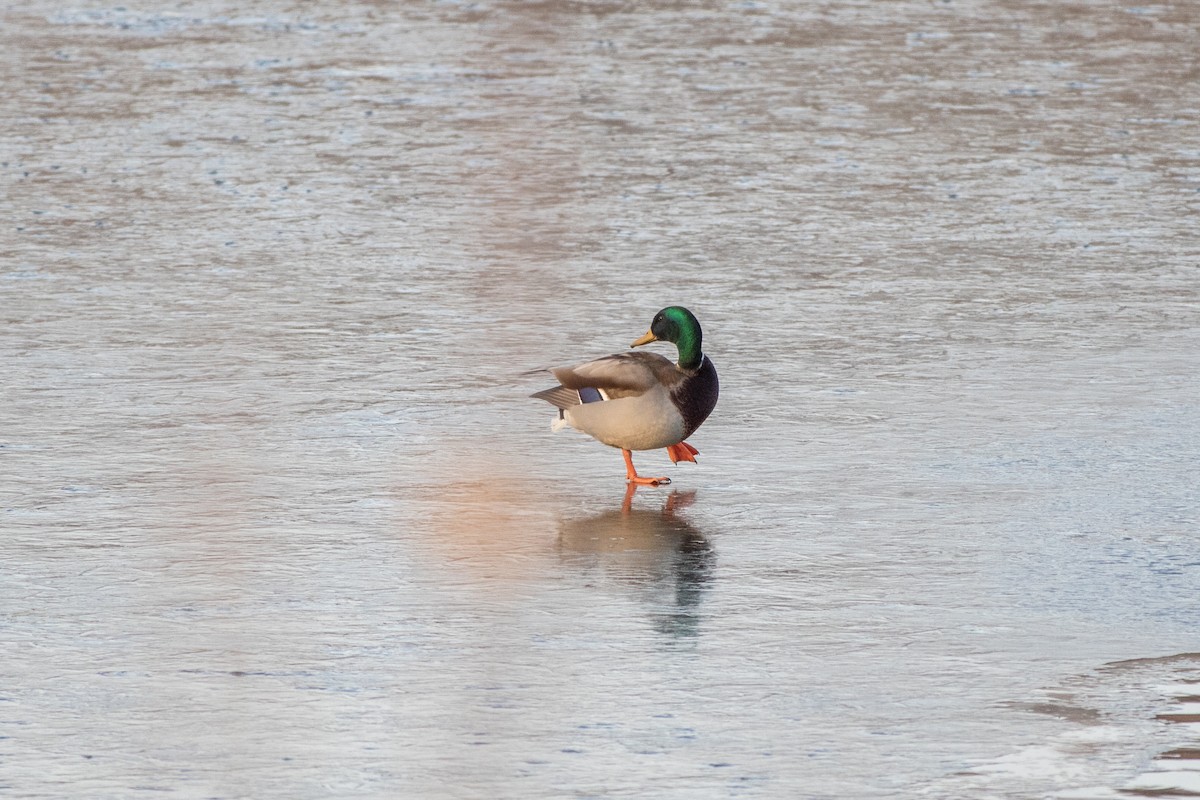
[280,521]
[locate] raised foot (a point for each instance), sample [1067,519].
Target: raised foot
[682,452]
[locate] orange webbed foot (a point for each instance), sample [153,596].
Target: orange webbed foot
[632,476]
[642,480]
[682,452]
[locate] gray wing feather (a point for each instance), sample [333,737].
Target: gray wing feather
[632,372]
[619,375]
[559,396]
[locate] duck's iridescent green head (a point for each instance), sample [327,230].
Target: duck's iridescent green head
[677,325]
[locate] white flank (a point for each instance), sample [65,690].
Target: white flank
[645,422]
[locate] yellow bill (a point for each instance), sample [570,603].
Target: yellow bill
[647,339]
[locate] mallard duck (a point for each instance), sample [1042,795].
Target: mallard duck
[641,401]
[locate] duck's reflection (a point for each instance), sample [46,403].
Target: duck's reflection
[658,554]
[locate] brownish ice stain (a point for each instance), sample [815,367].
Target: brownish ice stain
[1183,670]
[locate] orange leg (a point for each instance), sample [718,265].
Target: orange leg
[682,452]
[632,476]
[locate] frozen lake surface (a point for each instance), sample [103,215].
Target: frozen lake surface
[278,519]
